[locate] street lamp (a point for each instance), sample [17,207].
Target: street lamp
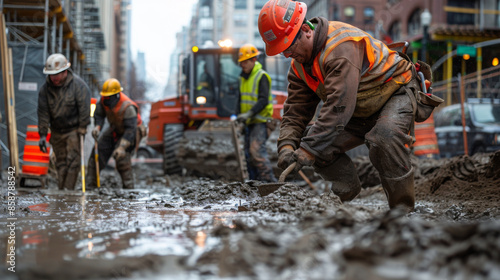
[425,20]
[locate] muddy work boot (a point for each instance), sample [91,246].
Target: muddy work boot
[343,175]
[124,167]
[400,191]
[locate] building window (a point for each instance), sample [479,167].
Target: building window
[414,27]
[498,16]
[395,31]
[349,13]
[259,4]
[206,23]
[240,4]
[369,14]
[461,18]
[335,12]
[240,20]
[205,11]
[393,2]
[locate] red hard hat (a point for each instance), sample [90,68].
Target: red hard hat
[279,22]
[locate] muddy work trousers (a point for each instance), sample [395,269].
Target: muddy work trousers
[387,136]
[66,148]
[107,143]
[259,166]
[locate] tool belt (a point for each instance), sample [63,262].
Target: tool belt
[423,102]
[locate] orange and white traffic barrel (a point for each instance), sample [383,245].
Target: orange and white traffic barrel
[426,144]
[35,162]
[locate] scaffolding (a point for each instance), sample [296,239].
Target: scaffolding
[70,27]
[34,29]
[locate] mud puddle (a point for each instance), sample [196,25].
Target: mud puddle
[195,228]
[60,229]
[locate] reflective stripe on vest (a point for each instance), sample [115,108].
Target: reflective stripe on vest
[116,115]
[249,90]
[379,66]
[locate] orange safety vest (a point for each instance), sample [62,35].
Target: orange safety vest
[116,115]
[381,66]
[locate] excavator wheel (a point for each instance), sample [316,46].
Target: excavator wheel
[172,134]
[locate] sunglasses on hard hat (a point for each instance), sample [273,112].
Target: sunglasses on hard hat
[288,52]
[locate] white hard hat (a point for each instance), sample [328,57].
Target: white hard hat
[56,63]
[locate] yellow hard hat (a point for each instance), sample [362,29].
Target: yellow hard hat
[110,87]
[247,51]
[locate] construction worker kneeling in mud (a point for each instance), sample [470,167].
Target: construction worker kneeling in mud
[120,139]
[256,109]
[371,96]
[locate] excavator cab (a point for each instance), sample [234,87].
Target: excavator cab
[212,81]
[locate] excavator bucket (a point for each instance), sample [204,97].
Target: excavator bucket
[214,150]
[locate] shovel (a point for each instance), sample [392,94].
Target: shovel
[97,164]
[82,163]
[266,189]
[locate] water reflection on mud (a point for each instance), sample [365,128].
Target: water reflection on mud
[69,227]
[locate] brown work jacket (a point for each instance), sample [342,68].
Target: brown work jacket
[64,108]
[351,72]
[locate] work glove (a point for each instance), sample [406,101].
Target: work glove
[285,157]
[96,131]
[120,151]
[244,117]
[43,144]
[82,130]
[303,158]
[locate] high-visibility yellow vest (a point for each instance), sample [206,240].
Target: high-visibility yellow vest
[249,90]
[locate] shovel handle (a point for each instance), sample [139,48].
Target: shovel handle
[82,163]
[286,172]
[301,173]
[96,153]
[307,180]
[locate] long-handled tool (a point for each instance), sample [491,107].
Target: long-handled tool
[267,188]
[82,163]
[97,164]
[304,177]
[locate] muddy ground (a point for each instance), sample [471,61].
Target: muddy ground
[197,228]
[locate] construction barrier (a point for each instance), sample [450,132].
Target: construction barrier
[426,144]
[35,162]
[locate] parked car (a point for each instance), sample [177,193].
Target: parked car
[482,118]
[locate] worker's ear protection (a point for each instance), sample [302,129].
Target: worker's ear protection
[310,24]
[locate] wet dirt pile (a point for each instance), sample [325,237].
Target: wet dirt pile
[297,201]
[454,232]
[470,184]
[387,246]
